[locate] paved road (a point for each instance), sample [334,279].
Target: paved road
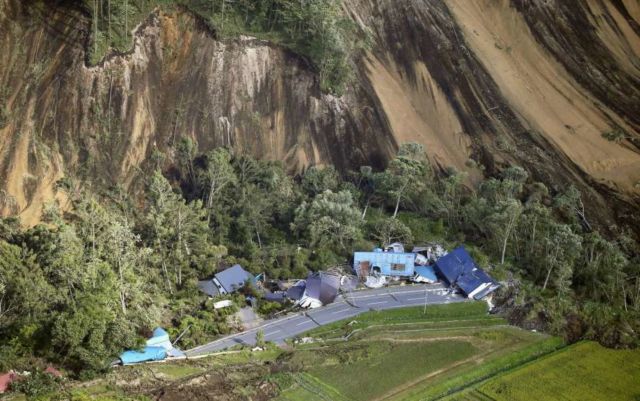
[346,306]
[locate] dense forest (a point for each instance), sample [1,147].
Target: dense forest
[86,284]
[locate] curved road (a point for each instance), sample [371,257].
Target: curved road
[346,306]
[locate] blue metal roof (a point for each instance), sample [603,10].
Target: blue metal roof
[459,269]
[456,262]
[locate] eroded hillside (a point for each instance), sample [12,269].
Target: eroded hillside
[497,82]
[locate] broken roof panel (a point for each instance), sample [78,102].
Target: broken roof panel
[427,273]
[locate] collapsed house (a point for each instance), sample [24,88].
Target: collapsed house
[226,282]
[380,263]
[377,267]
[318,289]
[158,348]
[460,271]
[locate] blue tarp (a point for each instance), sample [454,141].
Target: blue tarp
[459,269]
[147,354]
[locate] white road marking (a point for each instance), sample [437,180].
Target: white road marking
[377,303]
[340,311]
[415,299]
[305,322]
[272,332]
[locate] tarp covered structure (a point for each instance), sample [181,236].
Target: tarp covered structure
[458,269]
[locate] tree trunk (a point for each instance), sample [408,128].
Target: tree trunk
[546,280]
[366,206]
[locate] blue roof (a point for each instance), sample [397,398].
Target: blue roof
[388,263]
[459,269]
[147,354]
[453,264]
[427,272]
[233,278]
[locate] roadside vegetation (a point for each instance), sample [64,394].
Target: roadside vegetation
[317,30]
[85,285]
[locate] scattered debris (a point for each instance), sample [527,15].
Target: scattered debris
[222,304]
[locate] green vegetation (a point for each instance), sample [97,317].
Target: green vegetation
[317,29]
[406,354]
[585,371]
[81,287]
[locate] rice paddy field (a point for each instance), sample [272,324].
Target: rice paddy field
[581,372]
[409,354]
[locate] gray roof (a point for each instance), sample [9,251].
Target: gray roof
[233,278]
[323,286]
[208,287]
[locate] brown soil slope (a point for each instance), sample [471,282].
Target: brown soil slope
[500,82]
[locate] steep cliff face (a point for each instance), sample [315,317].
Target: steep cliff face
[528,83]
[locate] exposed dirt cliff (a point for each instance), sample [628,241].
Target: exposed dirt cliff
[533,83]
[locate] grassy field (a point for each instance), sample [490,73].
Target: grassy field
[585,371]
[408,354]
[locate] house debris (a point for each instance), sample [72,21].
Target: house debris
[460,271]
[226,282]
[424,274]
[320,289]
[158,348]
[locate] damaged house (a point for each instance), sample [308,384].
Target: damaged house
[460,271]
[226,282]
[374,268]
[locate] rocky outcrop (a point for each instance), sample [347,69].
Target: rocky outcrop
[481,84]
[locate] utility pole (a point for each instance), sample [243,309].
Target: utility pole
[424,312]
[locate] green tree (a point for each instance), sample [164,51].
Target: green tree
[329,219]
